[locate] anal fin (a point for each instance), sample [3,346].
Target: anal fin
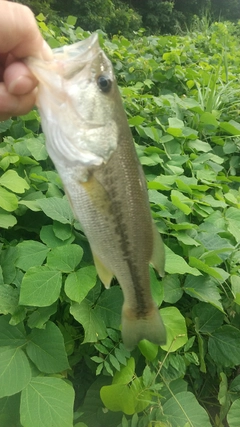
[103,272]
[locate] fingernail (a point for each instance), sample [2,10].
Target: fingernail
[21,85]
[47,53]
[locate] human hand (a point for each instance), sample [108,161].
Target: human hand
[19,38]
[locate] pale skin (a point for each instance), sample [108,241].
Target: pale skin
[19,38]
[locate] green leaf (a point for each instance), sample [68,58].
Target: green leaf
[5,125]
[205,289]
[8,201]
[235,385]
[62,231]
[49,237]
[128,399]
[65,258]
[9,410]
[233,222]
[178,200]
[8,258]
[233,414]
[79,283]
[41,315]
[126,373]
[92,323]
[175,264]
[224,346]
[51,398]
[172,289]
[209,120]
[14,336]
[156,287]
[30,254]
[148,349]
[175,327]
[12,181]
[207,317]
[114,362]
[200,265]
[37,148]
[232,127]
[8,299]
[119,397]
[235,282]
[7,220]
[183,409]
[109,307]
[46,349]
[15,371]
[57,209]
[71,20]
[136,120]
[40,286]
[175,127]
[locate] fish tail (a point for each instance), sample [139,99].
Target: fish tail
[136,328]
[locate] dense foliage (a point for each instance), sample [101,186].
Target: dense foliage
[126,16]
[59,328]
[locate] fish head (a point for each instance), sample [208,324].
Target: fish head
[76,98]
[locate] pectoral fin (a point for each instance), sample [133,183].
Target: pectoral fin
[158,255]
[98,194]
[104,274]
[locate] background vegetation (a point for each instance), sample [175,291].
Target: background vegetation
[62,362]
[127,16]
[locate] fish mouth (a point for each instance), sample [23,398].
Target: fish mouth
[67,60]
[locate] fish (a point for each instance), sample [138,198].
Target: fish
[91,145]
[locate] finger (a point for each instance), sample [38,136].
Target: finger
[19,32]
[18,79]
[11,105]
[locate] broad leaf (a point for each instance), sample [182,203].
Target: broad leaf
[65,258]
[207,317]
[37,147]
[15,371]
[46,349]
[79,283]
[7,220]
[30,254]
[8,201]
[203,288]
[233,414]
[14,182]
[40,286]
[182,409]
[175,264]
[8,299]
[92,323]
[175,327]
[14,336]
[57,209]
[172,289]
[109,306]
[224,346]
[51,398]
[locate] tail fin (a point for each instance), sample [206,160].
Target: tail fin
[149,327]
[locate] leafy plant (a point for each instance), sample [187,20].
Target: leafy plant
[60,342]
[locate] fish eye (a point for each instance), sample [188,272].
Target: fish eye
[104,83]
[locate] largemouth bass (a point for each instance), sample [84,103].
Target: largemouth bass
[91,146]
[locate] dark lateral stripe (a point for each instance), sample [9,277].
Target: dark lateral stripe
[142,308]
